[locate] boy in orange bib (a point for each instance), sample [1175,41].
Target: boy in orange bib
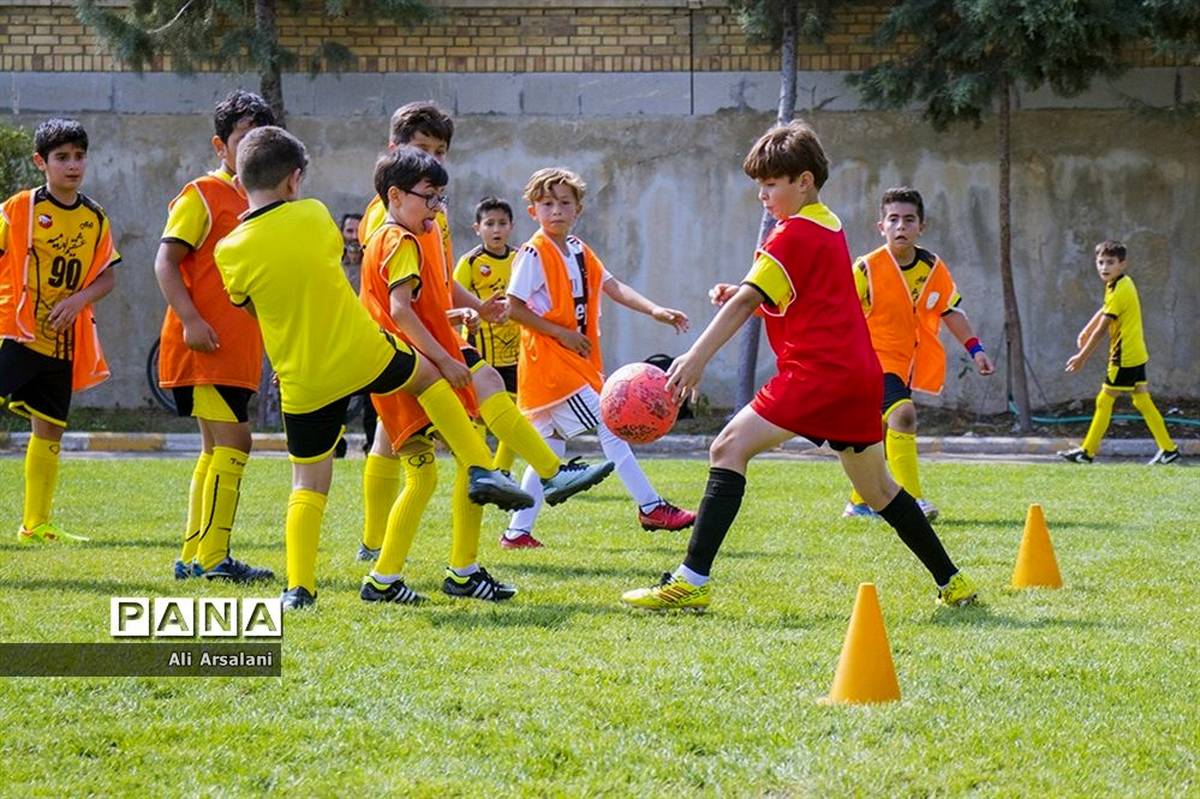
[211,353]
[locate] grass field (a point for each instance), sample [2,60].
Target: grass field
[1087,691]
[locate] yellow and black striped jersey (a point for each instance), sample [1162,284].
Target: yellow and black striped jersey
[1127,344]
[483,274]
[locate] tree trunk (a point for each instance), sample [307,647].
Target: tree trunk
[752,330]
[270,82]
[1012,314]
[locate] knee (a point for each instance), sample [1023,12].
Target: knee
[726,452]
[487,381]
[425,374]
[903,418]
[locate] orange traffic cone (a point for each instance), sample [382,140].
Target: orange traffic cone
[865,672]
[1036,565]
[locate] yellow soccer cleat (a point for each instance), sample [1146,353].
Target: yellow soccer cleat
[671,593]
[958,592]
[48,533]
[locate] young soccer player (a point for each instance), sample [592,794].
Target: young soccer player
[829,384]
[283,264]
[555,296]
[906,293]
[407,291]
[1127,358]
[210,354]
[485,271]
[56,254]
[427,127]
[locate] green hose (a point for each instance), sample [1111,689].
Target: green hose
[1117,417]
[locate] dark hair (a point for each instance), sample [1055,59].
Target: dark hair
[1111,247]
[239,105]
[56,132]
[404,168]
[903,194]
[421,117]
[492,204]
[268,155]
[787,151]
[345,217]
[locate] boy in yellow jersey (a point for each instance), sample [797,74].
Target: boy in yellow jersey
[56,254]
[555,294]
[484,271]
[907,293]
[407,292]
[428,128]
[1127,358]
[283,264]
[210,353]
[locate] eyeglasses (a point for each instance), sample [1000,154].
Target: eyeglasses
[431,200]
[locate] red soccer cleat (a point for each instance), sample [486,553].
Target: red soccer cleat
[523,541]
[666,516]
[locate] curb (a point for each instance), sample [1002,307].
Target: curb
[671,445]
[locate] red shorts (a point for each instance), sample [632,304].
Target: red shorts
[839,408]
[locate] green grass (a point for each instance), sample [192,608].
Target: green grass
[1086,691]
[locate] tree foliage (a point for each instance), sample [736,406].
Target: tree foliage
[762,20]
[17,171]
[1173,27]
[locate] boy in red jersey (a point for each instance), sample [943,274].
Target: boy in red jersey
[829,384]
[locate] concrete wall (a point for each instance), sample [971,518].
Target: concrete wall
[670,212]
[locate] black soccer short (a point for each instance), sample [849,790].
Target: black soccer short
[235,399]
[313,436]
[509,374]
[32,384]
[838,446]
[1124,378]
[895,389]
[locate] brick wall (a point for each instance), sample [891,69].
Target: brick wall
[487,36]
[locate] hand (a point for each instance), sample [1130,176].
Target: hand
[575,341]
[470,319]
[672,317]
[494,309]
[983,364]
[63,315]
[722,293]
[1075,362]
[456,373]
[683,377]
[198,335]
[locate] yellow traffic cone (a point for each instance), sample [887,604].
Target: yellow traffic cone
[1036,565]
[865,672]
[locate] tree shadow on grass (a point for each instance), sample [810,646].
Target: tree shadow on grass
[567,572]
[108,587]
[982,616]
[96,543]
[548,616]
[1014,523]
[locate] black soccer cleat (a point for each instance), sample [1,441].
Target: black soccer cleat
[1077,455]
[396,593]
[573,477]
[479,585]
[235,571]
[489,486]
[298,598]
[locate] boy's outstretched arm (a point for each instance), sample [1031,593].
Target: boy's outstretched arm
[571,339]
[1076,361]
[63,314]
[684,375]
[1096,320]
[958,324]
[632,298]
[197,333]
[494,309]
[455,372]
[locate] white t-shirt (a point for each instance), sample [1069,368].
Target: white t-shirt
[528,281]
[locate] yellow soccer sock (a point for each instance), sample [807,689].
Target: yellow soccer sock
[511,427]
[1099,425]
[41,476]
[447,414]
[191,536]
[222,489]
[466,521]
[856,497]
[381,485]
[420,480]
[302,534]
[1154,420]
[902,460]
[506,456]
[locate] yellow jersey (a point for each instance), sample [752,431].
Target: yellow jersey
[286,259]
[1127,345]
[484,274]
[65,240]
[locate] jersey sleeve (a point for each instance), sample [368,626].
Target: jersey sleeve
[771,280]
[1115,301]
[106,242]
[462,273]
[862,284]
[188,221]
[226,266]
[527,275]
[605,275]
[950,302]
[403,265]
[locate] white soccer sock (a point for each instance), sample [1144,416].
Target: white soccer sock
[628,469]
[522,521]
[690,576]
[465,571]
[385,579]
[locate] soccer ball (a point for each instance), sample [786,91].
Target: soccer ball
[635,405]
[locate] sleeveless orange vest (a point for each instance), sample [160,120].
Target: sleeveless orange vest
[401,414]
[905,333]
[238,361]
[16,310]
[548,372]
